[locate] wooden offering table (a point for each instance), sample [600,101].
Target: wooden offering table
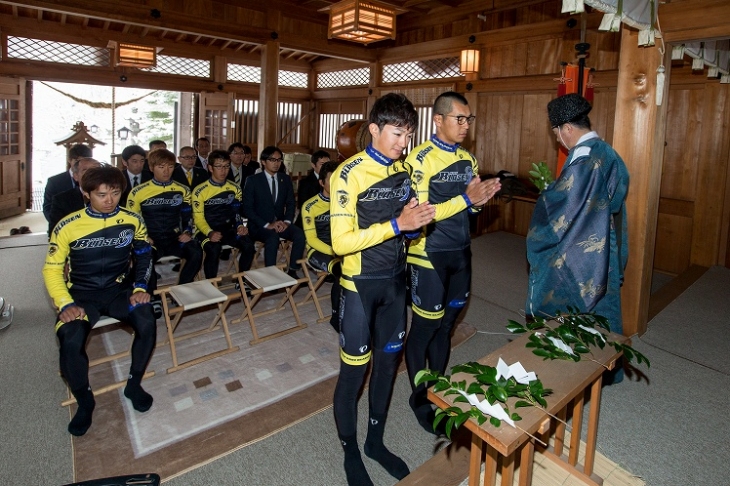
[569,381]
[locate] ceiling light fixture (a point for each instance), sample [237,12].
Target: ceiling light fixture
[363,21]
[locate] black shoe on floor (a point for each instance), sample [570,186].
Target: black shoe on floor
[293,273]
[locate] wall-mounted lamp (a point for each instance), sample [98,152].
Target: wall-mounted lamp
[123,133]
[363,21]
[133,55]
[469,62]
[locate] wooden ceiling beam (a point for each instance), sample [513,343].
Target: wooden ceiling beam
[509,35]
[695,20]
[109,10]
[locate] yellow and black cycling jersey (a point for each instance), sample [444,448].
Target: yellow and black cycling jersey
[165,208]
[216,207]
[368,192]
[316,222]
[441,173]
[98,248]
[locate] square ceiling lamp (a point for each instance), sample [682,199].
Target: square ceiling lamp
[362,21]
[134,55]
[469,62]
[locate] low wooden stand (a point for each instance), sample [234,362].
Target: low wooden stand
[569,382]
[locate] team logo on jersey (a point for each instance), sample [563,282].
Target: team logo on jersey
[381,193]
[217,201]
[347,168]
[175,200]
[308,220]
[124,239]
[343,198]
[454,176]
[417,177]
[52,249]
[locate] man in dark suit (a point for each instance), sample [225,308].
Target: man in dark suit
[248,161]
[269,205]
[186,172]
[64,181]
[134,158]
[72,200]
[309,186]
[202,146]
[239,172]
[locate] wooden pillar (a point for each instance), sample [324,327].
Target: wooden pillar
[269,95]
[638,137]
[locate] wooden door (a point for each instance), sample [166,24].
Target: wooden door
[13,195]
[216,113]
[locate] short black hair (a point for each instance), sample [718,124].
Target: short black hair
[320,154]
[394,109]
[218,155]
[106,174]
[133,150]
[237,145]
[157,142]
[327,168]
[247,149]
[269,151]
[79,150]
[445,102]
[200,139]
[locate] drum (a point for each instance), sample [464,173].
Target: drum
[352,137]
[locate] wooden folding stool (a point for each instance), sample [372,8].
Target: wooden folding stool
[191,296]
[261,281]
[313,287]
[102,322]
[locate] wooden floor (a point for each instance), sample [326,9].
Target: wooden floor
[450,467]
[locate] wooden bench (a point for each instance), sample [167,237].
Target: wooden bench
[569,382]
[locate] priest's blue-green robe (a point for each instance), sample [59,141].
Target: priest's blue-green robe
[577,244]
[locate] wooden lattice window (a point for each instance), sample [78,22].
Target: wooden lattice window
[9,127]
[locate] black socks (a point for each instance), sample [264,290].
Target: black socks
[82,419]
[425,415]
[141,400]
[376,450]
[355,470]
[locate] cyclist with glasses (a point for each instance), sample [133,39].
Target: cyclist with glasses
[446,175]
[217,216]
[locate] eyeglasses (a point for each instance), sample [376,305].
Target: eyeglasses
[461,119]
[238,153]
[274,159]
[221,167]
[187,157]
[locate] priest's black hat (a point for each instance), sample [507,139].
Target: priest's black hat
[567,108]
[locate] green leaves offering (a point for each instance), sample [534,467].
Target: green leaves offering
[541,176]
[485,385]
[576,332]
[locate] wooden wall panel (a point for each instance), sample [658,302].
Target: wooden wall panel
[673,243]
[679,173]
[499,135]
[506,61]
[544,56]
[538,142]
[712,170]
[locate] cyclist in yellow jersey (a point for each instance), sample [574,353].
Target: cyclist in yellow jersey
[165,207]
[372,205]
[97,243]
[315,218]
[439,260]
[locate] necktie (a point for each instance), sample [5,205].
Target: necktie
[273,188]
[205,163]
[237,177]
[134,181]
[190,177]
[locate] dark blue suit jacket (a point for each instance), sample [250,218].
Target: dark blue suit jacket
[55,185]
[200,175]
[258,206]
[64,204]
